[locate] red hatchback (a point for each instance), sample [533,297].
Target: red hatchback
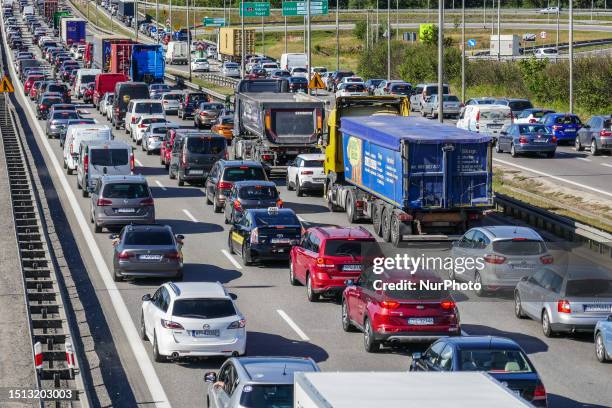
[27,85]
[327,256]
[393,316]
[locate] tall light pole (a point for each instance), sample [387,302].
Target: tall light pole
[558,11]
[263,37]
[484,14]
[170,18]
[285,34]
[136,19]
[242,54]
[188,39]
[441,61]
[377,24]
[462,50]
[396,19]
[571,56]
[308,11]
[498,30]
[157,20]
[388,40]
[337,37]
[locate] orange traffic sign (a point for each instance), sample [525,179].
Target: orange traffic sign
[5,85]
[316,82]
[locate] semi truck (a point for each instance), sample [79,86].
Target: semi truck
[49,8]
[120,59]
[147,63]
[73,30]
[229,47]
[409,176]
[401,390]
[57,16]
[125,10]
[274,127]
[102,50]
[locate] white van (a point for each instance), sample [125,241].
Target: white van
[177,52]
[78,133]
[292,60]
[28,11]
[140,107]
[84,77]
[488,119]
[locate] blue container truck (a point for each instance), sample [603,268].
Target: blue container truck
[148,63]
[407,174]
[73,30]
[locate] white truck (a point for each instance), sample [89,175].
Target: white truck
[402,390]
[177,52]
[293,60]
[508,45]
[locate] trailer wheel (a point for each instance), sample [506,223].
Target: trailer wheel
[396,236]
[377,219]
[386,225]
[350,207]
[330,202]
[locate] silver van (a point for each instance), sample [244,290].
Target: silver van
[97,159]
[422,94]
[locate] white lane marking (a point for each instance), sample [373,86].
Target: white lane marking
[160,185]
[583,159]
[138,162]
[190,216]
[231,259]
[140,354]
[293,325]
[606,164]
[541,173]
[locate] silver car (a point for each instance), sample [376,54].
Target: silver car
[171,102]
[255,381]
[452,106]
[595,135]
[121,200]
[502,254]
[569,300]
[155,135]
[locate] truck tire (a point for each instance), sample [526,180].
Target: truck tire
[350,208]
[330,203]
[396,236]
[377,218]
[386,225]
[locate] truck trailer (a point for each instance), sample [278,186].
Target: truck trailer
[147,63]
[57,17]
[102,50]
[125,10]
[402,390]
[73,30]
[49,8]
[120,59]
[407,174]
[229,47]
[274,127]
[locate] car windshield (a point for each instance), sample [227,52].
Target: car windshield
[56,88]
[519,247]
[520,105]
[159,87]
[173,97]
[352,248]
[450,98]
[204,308]
[258,192]
[149,237]
[494,361]
[65,115]
[299,70]
[244,173]
[608,124]
[265,219]
[110,98]
[401,89]
[211,106]
[231,66]
[567,120]
[354,88]
[205,145]
[418,294]
[50,101]
[109,157]
[147,121]
[312,163]
[199,60]
[159,130]
[497,114]
[85,79]
[533,129]
[227,121]
[267,396]
[589,288]
[149,107]
[126,190]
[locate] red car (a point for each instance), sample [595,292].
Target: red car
[392,316]
[30,81]
[328,256]
[165,150]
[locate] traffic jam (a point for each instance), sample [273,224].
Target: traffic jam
[395,176]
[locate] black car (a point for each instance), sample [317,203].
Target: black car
[223,176]
[198,152]
[502,358]
[189,104]
[297,84]
[265,234]
[372,84]
[42,107]
[250,194]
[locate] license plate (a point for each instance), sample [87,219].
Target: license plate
[421,321]
[570,130]
[540,140]
[205,333]
[279,240]
[292,152]
[196,171]
[318,180]
[351,267]
[149,257]
[598,308]
[126,210]
[495,126]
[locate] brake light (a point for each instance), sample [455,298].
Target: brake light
[266,157]
[532,120]
[306,172]
[184,159]
[71,148]
[238,324]
[358,204]
[279,203]
[86,163]
[173,255]
[133,119]
[132,165]
[237,205]
[41,106]
[117,110]
[447,304]
[146,201]
[494,259]
[563,306]
[202,113]
[125,255]
[321,263]
[224,185]
[103,202]
[547,259]
[254,236]
[539,393]
[226,155]
[605,133]
[474,216]
[523,140]
[319,120]
[389,304]
[477,116]
[169,324]
[554,139]
[142,126]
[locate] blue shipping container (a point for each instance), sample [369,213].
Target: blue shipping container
[148,63]
[416,164]
[76,31]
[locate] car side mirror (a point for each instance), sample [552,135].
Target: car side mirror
[349,282]
[503,132]
[587,126]
[210,377]
[180,237]
[417,356]
[524,278]
[146,298]
[113,236]
[233,296]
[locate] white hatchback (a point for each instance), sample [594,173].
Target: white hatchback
[192,319]
[306,173]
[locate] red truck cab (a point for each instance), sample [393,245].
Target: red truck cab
[106,83]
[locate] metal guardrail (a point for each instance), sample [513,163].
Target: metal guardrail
[219,79]
[563,227]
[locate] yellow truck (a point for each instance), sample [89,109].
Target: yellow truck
[230,43]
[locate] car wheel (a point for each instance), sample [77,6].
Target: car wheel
[246,257]
[181,182]
[370,345]
[498,148]
[377,219]
[230,247]
[208,200]
[217,208]
[116,277]
[178,276]
[288,183]
[158,358]
[84,192]
[292,280]
[518,307]
[513,152]
[298,188]
[97,228]
[600,348]
[171,173]
[143,329]
[386,225]
[478,280]
[546,328]
[347,326]
[577,145]
[310,293]
[350,208]
[594,150]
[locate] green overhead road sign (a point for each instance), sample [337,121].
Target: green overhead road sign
[213,22]
[255,8]
[300,8]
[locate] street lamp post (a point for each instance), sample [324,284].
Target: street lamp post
[571,56]
[136,19]
[462,50]
[388,40]
[157,20]
[170,18]
[285,34]
[498,30]
[441,61]
[242,54]
[188,39]
[308,11]
[337,37]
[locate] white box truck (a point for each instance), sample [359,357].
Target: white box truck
[293,60]
[177,52]
[509,45]
[402,390]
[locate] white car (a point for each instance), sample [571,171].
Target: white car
[192,319]
[306,173]
[139,107]
[143,123]
[546,53]
[549,10]
[108,107]
[299,72]
[532,115]
[211,52]
[351,80]
[230,69]
[200,65]
[352,89]
[106,99]
[270,66]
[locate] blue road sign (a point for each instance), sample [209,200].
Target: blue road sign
[471,42]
